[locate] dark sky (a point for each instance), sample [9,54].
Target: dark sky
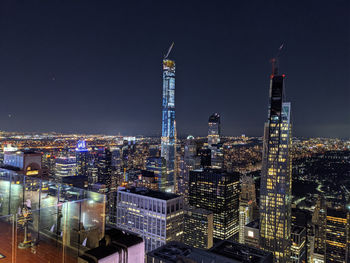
[95,66]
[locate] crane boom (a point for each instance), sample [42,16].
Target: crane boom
[167,54]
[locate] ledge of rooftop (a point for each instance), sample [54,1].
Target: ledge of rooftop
[254,224]
[231,249]
[150,193]
[216,171]
[198,210]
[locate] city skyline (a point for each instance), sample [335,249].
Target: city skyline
[81,71]
[156,131]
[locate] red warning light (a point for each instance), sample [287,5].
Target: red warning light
[284,75]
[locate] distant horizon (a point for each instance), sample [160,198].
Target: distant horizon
[181,136]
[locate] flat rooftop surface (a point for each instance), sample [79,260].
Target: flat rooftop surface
[150,193]
[240,252]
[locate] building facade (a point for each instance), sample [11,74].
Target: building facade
[337,236]
[188,162]
[217,191]
[198,227]
[251,234]
[156,216]
[299,246]
[65,166]
[275,190]
[319,229]
[247,204]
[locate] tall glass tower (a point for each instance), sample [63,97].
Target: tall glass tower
[275,191]
[214,132]
[168,124]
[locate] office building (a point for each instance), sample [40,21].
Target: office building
[299,246]
[105,170]
[82,158]
[188,162]
[156,216]
[198,227]
[148,180]
[319,229]
[217,191]
[247,204]
[157,166]
[275,189]
[205,157]
[24,162]
[168,139]
[251,234]
[116,158]
[337,236]
[225,251]
[214,132]
[65,166]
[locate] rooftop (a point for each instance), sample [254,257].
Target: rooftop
[336,213]
[297,229]
[223,252]
[174,252]
[216,172]
[240,252]
[99,253]
[198,210]
[150,193]
[123,237]
[118,240]
[254,224]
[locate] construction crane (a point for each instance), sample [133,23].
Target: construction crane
[167,54]
[275,60]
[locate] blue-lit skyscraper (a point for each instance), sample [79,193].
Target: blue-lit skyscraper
[82,158]
[168,124]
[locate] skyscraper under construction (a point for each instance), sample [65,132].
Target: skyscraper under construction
[166,181]
[275,191]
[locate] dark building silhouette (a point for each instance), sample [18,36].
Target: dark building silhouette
[217,191]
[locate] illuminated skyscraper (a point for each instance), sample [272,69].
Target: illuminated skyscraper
[105,170]
[319,228]
[337,236]
[275,191]
[189,161]
[82,158]
[168,123]
[214,132]
[247,204]
[217,191]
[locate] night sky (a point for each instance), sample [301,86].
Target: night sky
[95,66]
